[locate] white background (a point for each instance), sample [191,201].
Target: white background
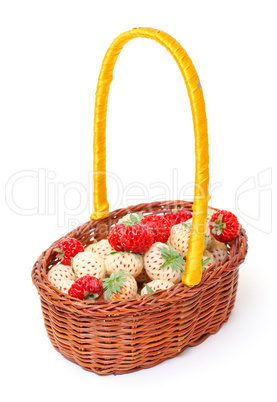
[51,53]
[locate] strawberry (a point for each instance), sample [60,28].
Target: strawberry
[131,236]
[66,285]
[86,287]
[137,238]
[128,262]
[219,251]
[143,277]
[159,225]
[59,273]
[178,216]
[154,286]
[67,248]
[115,236]
[120,286]
[209,239]
[90,247]
[163,262]
[179,237]
[224,226]
[131,218]
[207,260]
[87,263]
[101,248]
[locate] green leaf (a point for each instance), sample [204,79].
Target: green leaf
[172,258]
[204,263]
[127,223]
[164,252]
[133,218]
[186,225]
[108,293]
[72,267]
[165,265]
[115,282]
[149,290]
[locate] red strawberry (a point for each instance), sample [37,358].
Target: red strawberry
[67,248]
[177,216]
[224,226]
[159,225]
[116,235]
[86,287]
[137,238]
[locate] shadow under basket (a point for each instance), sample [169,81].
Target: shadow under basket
[122,337]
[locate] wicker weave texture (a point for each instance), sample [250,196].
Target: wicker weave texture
[121,337]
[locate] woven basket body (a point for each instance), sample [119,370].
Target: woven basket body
[121,337]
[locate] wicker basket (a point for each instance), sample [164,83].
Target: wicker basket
[121,337]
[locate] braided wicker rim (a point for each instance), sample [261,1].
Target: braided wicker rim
[97,230]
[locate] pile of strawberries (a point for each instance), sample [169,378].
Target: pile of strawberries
[142,254]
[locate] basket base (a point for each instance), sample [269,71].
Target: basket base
[197,342]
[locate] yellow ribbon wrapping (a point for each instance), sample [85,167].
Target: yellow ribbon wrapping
[193,269]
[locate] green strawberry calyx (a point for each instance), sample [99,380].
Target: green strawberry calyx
[178,209]
[204,263]
[172,258]
[90,296]
[59,251]
[151,291]
[135,220]
[218,225]
[72,268]
[186,225]
[114,283]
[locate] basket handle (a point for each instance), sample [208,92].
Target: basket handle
[193,270]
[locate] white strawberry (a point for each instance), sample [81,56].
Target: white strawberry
[143,277]
[207,260]
[128,262]
[101,248]
[211,211]
[66,285]
[132,218]
[163,262]
[120,286]
[90,247]
[180,235]
[59,273]
[219,251]
[209,239]
[158,284]
[86,263]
